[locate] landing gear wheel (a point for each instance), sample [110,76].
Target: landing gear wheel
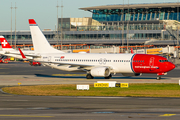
[89,76]
[158,77]
[109,77]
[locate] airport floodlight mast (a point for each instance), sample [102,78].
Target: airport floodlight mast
[123,27]
[128,29]
[61,22]
[11,22]
[15,24]
[57,24]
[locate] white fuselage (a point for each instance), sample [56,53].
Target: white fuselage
[120,63]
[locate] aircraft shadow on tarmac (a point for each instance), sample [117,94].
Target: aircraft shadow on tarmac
[84,77]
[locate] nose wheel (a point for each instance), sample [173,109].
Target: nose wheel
[158,77]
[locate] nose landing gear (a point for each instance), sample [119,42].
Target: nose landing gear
[158,77]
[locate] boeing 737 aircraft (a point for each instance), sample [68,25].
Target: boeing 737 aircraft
[96,65]
[7,50]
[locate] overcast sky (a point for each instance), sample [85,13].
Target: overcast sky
[45,11]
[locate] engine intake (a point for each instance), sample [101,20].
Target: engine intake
[100,72]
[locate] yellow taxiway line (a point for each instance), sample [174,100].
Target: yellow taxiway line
[167,115]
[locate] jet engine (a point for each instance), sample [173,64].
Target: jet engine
[100,72]
[131,74]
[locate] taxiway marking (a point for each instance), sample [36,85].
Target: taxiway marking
[165,115]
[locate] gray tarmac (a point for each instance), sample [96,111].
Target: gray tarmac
[20,107]
[18,72]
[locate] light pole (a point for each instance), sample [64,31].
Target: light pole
[11,22]
[57,24]
[15,24]
[178,30]
[123,27]
[61,22]
[128,29]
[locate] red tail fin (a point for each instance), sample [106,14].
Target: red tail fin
[4,43]
[32,21]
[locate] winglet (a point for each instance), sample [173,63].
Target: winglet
[22,54]
[132,51]
[4,43]
[32,21]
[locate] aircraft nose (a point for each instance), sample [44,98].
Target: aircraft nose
[171,66]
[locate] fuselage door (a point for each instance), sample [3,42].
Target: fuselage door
[151,61]
[49,59]
[151,64]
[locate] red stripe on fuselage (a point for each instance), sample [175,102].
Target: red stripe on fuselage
[143,63]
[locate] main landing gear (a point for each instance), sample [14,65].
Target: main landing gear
[89,76]
[109,77]
[158,77]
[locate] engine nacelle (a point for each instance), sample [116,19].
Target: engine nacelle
[131,74]
[100,72]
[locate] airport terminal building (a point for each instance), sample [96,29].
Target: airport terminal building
[133,24]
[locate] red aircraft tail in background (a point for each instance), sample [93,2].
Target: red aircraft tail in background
[4,43]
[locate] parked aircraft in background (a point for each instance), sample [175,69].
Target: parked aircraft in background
[31,62]
[96,65]
[7,50]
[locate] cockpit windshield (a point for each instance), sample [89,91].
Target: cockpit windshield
[163,61]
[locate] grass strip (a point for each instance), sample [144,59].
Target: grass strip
[134,90]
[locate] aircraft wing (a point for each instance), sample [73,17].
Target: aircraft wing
[29,55]
[81,66]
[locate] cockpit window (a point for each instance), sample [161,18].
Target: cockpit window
[163,61]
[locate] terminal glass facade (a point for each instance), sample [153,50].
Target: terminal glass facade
[136,14]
